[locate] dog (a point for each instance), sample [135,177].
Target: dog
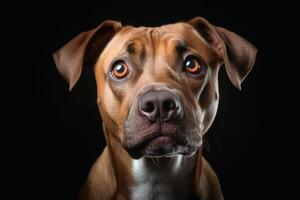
[157,93]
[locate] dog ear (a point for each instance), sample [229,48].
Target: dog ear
[84,49]
[237,53]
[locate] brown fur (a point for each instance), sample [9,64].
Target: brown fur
[155,56]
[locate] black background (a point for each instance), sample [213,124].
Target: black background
[245,142]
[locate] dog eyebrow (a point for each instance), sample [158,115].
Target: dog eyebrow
[136,50]
[181,47]
[130,48]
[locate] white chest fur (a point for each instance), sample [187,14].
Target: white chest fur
[162,179]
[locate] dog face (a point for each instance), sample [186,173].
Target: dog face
[158,87]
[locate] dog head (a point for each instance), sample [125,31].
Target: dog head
[157,87]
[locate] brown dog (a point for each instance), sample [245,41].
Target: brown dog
[157,94]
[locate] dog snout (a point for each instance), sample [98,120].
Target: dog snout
[160,105]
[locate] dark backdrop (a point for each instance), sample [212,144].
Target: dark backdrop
[242,144]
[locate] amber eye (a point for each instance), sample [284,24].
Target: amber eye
[120,70]
[192,66]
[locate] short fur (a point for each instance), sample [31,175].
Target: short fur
[155,57]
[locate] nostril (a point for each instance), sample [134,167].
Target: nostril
[168,105]
[148,107]
[160,105]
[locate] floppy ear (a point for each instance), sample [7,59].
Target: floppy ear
[84,49]
[237,53]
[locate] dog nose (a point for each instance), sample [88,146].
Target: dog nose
[162,105]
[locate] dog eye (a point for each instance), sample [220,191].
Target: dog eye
[120,70]
[192,65]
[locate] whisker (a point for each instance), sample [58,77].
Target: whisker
[170,162]
[157,160]
[153,160]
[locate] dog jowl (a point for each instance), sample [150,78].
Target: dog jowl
[157,93]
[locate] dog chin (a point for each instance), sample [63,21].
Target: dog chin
[162,146]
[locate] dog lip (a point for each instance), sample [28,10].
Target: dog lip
[146,140]
[157,130]
[160,140]
[159,145]
[156,140]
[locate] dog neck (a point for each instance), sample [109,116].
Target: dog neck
[163,178]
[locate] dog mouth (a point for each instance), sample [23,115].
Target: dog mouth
[163,146]
[163,140]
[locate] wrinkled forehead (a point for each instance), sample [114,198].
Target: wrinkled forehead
[166,40]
